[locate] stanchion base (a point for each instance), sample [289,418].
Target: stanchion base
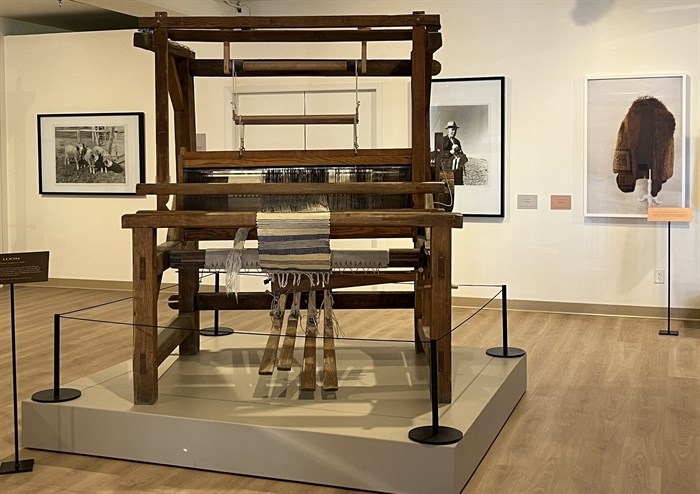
[16,466]
[56,395]
[216,332]
[668,332]
[511,352]
[445,435]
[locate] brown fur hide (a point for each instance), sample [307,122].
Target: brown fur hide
[645,142]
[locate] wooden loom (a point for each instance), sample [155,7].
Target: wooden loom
[427,265]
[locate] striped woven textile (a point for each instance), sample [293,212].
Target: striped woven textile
[294,242]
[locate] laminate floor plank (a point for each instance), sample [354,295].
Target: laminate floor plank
[611,406]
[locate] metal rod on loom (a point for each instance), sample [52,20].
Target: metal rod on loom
[355,144]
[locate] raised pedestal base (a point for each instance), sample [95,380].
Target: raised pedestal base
[216,413]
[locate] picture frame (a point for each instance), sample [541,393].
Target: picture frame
[476,105]
[635,138]
[90,153]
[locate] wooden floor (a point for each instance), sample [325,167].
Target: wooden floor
[611,406]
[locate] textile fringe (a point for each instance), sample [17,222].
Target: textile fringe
[315,277]
[234,262]
[294,239]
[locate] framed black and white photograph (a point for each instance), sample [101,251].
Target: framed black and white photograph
[635,145]
[90,153]
[470,114]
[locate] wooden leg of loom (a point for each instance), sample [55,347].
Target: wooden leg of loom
[308,371]
[187,293]
[287,353]
[267,364]
[145,287]
[418,336]
[330,372]
[441,308]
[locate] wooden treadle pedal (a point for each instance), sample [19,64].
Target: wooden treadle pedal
[330,372]
[308,371]
[267,363]
[287,353]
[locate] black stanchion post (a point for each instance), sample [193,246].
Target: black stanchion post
[57,394]
[505,351]
[667,331]
[216,330]
[17,465]
[434,433]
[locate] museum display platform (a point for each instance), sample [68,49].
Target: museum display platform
[216,413]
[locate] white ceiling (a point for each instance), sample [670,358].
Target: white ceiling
[102,14]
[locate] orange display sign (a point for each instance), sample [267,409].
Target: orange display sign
[670,214]
[560,202]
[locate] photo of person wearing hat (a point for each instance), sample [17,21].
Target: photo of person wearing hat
[456,158]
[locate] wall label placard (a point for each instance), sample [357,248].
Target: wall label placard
[527,201]
[684,215]
[560,202]
[24,267]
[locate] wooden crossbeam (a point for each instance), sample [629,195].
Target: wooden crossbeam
[288,35]
[341,300]
[171,336]
[294,157]
[194,259]
[431,21]
[210,67]
[287,353]
[293,65]
[237,219]
[307,379]
[334,119]
[330,370]
[267,363]
[376,188]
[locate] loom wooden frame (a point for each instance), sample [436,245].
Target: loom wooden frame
[175,69]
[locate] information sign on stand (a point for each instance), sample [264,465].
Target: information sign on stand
[20,267]
[669,215]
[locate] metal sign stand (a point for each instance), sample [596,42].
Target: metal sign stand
[17,465]
[20,267]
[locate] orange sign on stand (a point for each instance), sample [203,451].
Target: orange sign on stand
[684,215]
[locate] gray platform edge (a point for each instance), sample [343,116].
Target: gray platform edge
[331,458]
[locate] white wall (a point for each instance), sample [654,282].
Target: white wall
[71,73]
[544,48]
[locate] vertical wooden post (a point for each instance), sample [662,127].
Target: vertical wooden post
[145,286]
[441,310]
[160,41]
[185,139]
[420,150]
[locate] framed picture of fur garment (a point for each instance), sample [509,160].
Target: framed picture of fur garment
[635,144]
[467,119]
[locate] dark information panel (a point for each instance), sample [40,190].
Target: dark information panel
[24,267]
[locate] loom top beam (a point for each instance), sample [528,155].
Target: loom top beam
[289,36]
[430,21]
